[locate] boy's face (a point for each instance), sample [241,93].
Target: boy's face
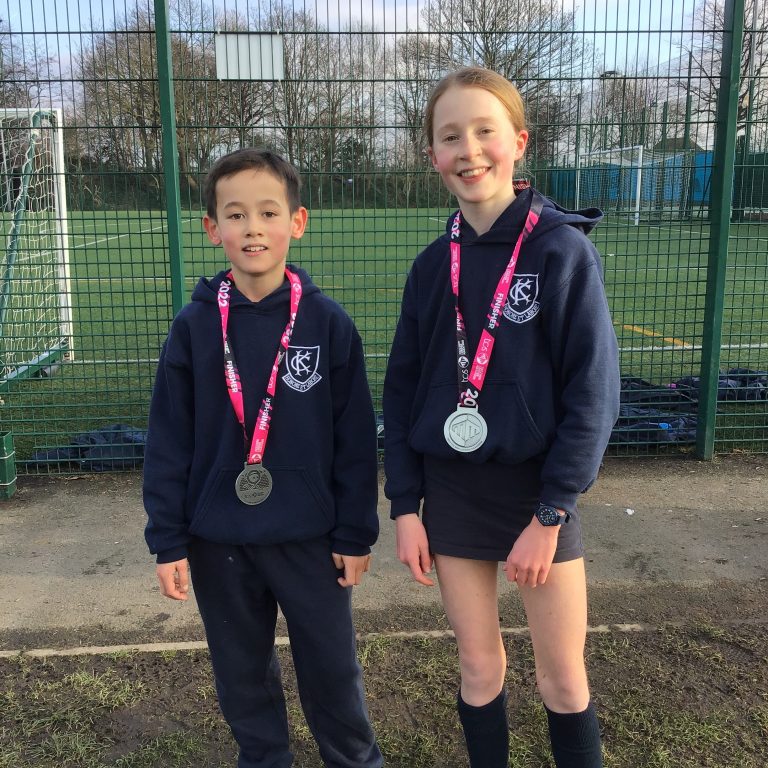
[254,225]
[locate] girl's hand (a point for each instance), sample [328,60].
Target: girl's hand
[413,547]
[531,557]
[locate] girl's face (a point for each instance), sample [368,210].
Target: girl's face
[475,147]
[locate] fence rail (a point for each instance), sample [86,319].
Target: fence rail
[657,113]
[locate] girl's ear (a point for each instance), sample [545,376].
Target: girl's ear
[212,229]
[432,157]
[520,144]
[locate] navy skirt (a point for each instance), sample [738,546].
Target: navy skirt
[477,511]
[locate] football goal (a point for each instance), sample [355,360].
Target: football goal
[635,182]
[35,298]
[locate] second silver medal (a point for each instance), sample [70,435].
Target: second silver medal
[465,430]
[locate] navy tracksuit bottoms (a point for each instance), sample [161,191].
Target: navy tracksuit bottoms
[238,590]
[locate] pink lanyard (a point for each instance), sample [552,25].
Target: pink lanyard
[476,376]
[232,375]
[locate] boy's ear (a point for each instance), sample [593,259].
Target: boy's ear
[299,222]
[212,229]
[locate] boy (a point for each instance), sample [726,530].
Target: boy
[275,507]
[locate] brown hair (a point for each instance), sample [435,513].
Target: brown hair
[476,77]
[256,159]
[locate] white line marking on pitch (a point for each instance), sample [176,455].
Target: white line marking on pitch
[124,234]
[381,355]
[196,645]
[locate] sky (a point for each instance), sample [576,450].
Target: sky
[618,30]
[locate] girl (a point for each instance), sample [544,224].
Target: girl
[500,394]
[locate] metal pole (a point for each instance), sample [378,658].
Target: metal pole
[751,75]
[686,199]
[578,149]
[722,193]
[661,181]
[170,153]
[638,185]
[623,123]
[643,125]
[747,179]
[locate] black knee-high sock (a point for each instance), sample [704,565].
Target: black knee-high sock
[575,738]
[486,732]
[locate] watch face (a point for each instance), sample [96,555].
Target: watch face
[547,515]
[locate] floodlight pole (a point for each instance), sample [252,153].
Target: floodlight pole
[578,150]
[638,184]
[721,201]
[170,153]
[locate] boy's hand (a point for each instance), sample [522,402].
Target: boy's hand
[413,547]
[354,566]
[531,557]
[174,579]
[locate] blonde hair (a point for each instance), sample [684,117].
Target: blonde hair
[476,77]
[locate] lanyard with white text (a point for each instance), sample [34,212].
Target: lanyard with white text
[466,430]
[232,376]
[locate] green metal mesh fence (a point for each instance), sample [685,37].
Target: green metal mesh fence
[623,109]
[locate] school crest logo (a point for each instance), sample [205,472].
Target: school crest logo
[522,302]
[301,363]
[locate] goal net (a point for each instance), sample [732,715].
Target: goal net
[35,303]
[635,182]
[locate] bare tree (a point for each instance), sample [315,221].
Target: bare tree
[119,99]
[621,111]
[363,54]
[705,49]
[243,110]
[328,107]
[298,99]
[529,42]
[14,75]
[412,73]
[28,76]
[212,116]
[119,107]
[532,43]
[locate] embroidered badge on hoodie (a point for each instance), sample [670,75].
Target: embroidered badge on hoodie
[302,363]
[522,302]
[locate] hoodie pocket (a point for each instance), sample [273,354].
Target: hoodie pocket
[519,436]
[294,510]
[513,435]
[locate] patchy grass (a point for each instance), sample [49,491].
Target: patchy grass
[681,697]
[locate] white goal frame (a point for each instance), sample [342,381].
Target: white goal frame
[610,154]
[37,354]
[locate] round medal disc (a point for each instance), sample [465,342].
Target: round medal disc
[465,430]
[253,484]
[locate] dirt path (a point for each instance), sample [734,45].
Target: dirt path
[74,569]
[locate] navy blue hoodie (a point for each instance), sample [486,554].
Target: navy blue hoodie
[321,448]
[552,387]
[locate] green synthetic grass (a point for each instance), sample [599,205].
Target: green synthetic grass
[655,278]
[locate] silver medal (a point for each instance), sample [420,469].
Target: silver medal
[465,430]
[253,484]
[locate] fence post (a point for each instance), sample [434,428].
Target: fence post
[7,466]
[170,153]
[721,200]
